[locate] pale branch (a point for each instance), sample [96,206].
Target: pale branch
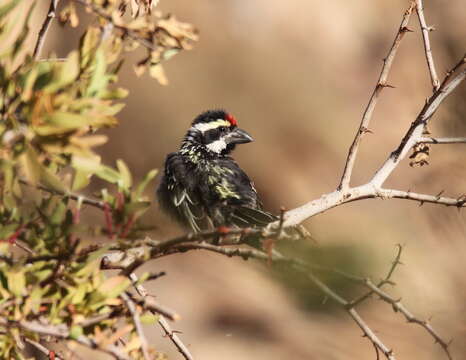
[397,306]
[446,140]
[417,128]
[182,349]
[422,198]
[61,331]
[371,335]
[137,325]
[428,52]
[381,84]
[372,189]
[51,14]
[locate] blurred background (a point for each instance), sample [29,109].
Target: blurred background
[297,75]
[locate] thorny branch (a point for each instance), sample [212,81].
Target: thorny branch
[183,350]
[425,35]
[381,84]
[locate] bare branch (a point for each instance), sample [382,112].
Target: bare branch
[137,324]
[399,307]
[386,280]
[162,322]
[422,198]
[381,83]
[45,28]
[415,132]
[425,35]
[453,140]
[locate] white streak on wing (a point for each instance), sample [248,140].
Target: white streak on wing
[217,146]
[179,200]
[203,127]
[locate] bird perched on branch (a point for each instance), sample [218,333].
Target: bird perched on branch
[202,186]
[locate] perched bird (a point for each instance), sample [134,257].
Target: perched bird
[202,186]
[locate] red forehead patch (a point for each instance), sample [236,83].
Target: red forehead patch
[231,119]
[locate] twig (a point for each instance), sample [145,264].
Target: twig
[61,331]
[423,198]
[42,349]
[425,35]
[45,28]
[162,322]
[137,324]
[381,83]
[386,280]
[399,307]
[452,140]
[76,197]
[148,303]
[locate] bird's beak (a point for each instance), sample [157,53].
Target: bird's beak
[239,136]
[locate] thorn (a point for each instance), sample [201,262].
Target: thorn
[385,85]
[440,193]
[365,130]
[406,29]
[421,203]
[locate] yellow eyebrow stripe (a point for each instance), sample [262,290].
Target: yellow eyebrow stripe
[203,127]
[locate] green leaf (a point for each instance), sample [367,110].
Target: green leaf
[135,207]
[149,319]
[99,79]
[126,178]
[89,42]
[5,9]
[67,73]
[61,122]
[115,94]
[76,331]
[80,180]
[114,286]
[16,282]
[108,174]
[17,46]
[147,179]
[59,213]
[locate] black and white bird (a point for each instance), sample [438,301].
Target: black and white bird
[202,186]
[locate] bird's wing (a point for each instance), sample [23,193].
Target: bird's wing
[244,216]
[177,195]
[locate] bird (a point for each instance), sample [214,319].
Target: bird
[202,186]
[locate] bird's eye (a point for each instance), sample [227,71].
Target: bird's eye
[223,129]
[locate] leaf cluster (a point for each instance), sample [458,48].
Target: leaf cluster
[51,114]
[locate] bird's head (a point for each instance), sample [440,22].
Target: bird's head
[217,131]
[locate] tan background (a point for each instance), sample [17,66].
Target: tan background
[297,75]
